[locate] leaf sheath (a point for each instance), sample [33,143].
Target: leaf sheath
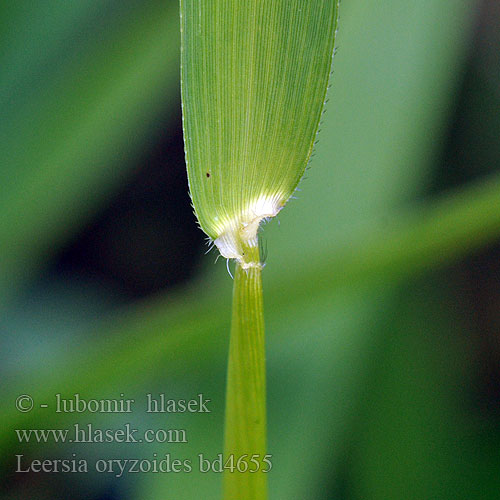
[245,429]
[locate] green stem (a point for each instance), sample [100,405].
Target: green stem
[245,427]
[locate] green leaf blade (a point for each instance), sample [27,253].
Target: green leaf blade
[254,78]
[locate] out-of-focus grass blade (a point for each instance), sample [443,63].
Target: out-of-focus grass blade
[136,340]
[72,140]
[37,41]
[254,78]
[419,417]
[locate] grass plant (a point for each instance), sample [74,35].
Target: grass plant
[254,78]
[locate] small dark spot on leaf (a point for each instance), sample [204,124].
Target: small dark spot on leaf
[208,174]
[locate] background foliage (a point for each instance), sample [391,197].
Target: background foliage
[381,289]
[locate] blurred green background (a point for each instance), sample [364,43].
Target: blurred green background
[382,291]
